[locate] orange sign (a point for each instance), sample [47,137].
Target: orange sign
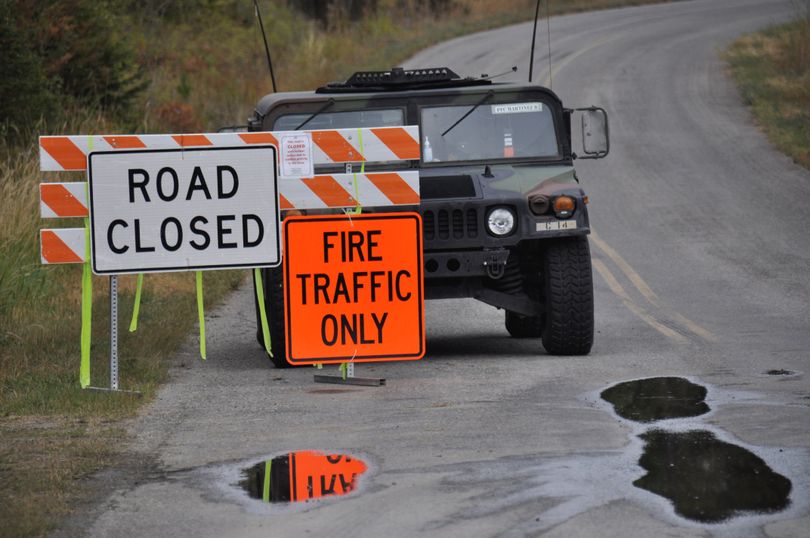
[353,288]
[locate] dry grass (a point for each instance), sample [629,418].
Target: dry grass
[57,453]
[52,434]
[204,74]
[772,69]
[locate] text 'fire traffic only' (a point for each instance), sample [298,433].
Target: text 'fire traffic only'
[353,288]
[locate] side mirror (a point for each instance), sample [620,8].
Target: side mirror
[595,133]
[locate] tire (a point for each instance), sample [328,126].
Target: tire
[568,286]
[520,326]
[273,283]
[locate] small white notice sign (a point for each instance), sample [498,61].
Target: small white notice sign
[517,108]
[183,209]
[296,155]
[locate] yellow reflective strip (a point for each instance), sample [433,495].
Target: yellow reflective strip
[268,467]
[87,310]
[136,307]
[257,278]
[201,313]
[87,303]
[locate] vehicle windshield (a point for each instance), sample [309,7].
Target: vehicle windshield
[343,120]
[491,131]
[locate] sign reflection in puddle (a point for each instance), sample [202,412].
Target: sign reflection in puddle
[302,476]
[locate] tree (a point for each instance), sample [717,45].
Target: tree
[55,53]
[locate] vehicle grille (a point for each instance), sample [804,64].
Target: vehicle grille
[450,224]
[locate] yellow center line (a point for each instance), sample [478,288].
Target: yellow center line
[625,267]
[628,271]
[617,288]
[647,292]
[694,327]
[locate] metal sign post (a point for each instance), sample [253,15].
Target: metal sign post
[113,332]
[114,341]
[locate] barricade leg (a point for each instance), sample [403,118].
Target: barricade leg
[350,379]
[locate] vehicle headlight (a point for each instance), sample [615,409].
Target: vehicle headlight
[501,221]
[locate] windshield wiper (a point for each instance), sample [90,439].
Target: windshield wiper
[329,103]
[489,94]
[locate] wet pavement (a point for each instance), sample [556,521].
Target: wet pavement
[706,479]
[684,469]
[701,473]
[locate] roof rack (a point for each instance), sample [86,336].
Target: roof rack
[400,79]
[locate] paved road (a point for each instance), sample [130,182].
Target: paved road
[701,259]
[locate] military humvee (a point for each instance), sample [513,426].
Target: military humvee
[504,218]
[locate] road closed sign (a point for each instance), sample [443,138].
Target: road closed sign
[183,209]
[353,288]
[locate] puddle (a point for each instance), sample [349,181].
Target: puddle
[302,476]
[657,398]
[780,372]
[709,480]
[688,473]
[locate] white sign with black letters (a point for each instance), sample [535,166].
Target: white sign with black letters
[183,209]
[296,155]
[517,108]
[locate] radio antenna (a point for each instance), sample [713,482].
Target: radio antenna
[484,76]
[548,34]
[266,46]
[534,38]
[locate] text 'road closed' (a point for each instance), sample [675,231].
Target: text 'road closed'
[202,208]
[353,288]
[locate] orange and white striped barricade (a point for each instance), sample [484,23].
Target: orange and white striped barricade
[317,191]
[62,153]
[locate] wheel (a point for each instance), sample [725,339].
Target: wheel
[520,326]
[568,286]
[273,284]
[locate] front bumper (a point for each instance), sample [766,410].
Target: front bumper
[466,263]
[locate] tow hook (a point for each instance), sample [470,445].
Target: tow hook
[495,263]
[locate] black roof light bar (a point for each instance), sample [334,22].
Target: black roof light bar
[400,79]
[398,75]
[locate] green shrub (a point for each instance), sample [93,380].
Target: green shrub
[25,90]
